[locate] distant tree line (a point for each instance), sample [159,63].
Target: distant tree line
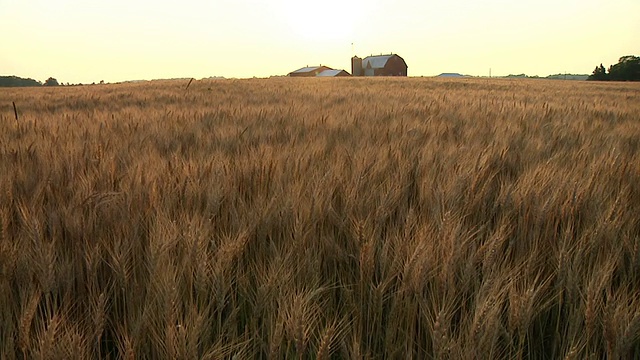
[549,77]
[627,69]
[14,81]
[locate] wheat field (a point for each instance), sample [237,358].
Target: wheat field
[321,219]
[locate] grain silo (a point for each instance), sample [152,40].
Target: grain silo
[356,66]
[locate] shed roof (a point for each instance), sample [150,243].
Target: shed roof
[450,75]
[307,69]
[331,72]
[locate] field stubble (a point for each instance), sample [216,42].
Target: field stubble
[355,218]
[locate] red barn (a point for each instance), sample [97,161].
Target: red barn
[380,65]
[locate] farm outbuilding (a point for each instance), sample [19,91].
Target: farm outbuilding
[379,65]
[333,73]
[309,71]
[374,65]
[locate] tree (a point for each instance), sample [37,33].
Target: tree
[14,81]
[51,82]
[627,69]
[598,74]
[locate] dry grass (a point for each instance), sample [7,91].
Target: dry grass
[335,218]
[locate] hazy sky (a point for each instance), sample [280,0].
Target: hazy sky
[88,40]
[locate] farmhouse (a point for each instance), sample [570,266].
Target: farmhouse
[379,65]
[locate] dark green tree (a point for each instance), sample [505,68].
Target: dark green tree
[598,74]
[14,81]
[51,82]
[627,69]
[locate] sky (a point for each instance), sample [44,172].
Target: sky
[84,41]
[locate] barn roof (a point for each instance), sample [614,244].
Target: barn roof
[331,72]
[307,69]
[376,62]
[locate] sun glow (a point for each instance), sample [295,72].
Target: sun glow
[327,21]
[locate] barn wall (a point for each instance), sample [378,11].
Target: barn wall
[395,67]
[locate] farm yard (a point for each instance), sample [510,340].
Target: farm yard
[343,218]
